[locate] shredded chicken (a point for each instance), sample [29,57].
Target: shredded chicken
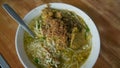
[58,26]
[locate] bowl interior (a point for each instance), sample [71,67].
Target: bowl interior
[35,12]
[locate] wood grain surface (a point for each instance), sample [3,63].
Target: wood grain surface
[105,14]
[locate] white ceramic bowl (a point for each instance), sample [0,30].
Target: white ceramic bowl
[35,12]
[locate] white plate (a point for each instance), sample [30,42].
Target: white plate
[35,12]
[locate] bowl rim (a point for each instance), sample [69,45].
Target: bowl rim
[96,30]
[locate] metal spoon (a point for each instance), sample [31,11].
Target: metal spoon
[17,18]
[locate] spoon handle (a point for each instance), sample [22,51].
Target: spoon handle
[17,18]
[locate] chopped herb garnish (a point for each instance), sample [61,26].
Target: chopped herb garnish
[87,29]
[36,60]
[38,25]
[42,38]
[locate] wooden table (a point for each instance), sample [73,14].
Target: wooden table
[105,14]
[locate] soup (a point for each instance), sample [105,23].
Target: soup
[64,39]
